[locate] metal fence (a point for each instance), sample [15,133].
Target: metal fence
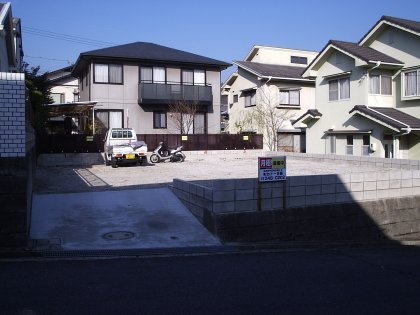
[202,142]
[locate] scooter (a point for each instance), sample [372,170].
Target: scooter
[173,155]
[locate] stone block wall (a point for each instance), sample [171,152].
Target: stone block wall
[321,198]
[17,160]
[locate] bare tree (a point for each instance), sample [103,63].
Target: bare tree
[182,115]
[266,117]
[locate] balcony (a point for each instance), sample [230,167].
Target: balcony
[159,93]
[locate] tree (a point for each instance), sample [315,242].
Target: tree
[266,117]
[39,96]
[182,116]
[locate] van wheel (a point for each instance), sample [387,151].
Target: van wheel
[114,164]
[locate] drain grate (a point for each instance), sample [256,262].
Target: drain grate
[118,235]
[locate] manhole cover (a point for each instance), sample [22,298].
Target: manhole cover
[118,235]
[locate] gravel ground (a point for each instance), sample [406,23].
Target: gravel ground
[101,177]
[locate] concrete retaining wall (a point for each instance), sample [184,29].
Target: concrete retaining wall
[215,200]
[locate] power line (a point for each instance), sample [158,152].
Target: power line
[65,37]
[45,58]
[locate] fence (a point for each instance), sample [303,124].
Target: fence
[202,142]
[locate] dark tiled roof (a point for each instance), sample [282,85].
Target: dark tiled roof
[269,70]
[411,25]
[390,116]
[153,52]
[364,53]
[311,112]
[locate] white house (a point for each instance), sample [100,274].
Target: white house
[280,68]
[367,99]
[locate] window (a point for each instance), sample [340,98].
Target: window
[75,97]
[250,98]
[193,77]
[290,98]
[200,123]
[330,144]
[299,60]
[235,98]
[58,98]
[153,75]
[122,134]
[104,73]
[159,120]
[380,84]
[366,145]
[349,146]
[339,89]
[106,119]
[412,83]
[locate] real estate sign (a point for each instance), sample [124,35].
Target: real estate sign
[271,169]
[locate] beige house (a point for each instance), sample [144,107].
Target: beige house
[279,70]
[134,84]
[367,94]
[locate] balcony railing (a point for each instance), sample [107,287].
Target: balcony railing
[159,93]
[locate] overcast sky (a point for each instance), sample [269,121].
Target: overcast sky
[55,32]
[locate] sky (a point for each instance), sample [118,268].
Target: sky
[55,32]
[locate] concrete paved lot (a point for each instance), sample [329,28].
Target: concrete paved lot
[77,206]
[124,219]
[101,177]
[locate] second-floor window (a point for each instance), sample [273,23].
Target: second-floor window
[412,83]
[339,89]
[193,77]
[153,75]
[290,98]
[380,84]
[299,60]
[250,98]
[108,73]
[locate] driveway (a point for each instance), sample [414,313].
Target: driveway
[98,207]
[122,219]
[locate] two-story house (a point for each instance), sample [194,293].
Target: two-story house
[134,84]
[367,94]
[276,67]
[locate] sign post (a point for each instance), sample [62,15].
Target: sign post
[271,169]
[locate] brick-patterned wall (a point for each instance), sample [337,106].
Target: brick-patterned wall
[17,161]
[12,115]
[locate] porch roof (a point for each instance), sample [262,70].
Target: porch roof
[308,115]
[389,117]
[75,109]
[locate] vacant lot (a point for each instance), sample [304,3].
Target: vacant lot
[101,177]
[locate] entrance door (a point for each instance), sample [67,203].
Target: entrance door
[388,148]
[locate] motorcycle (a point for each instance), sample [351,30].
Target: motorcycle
[161,155]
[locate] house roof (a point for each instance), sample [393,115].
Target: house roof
[269,70]
[364,53]
[390,117]
[142,51]
[413,26]
[60,75]
[308,115]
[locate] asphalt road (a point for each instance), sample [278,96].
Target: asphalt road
[344,281]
